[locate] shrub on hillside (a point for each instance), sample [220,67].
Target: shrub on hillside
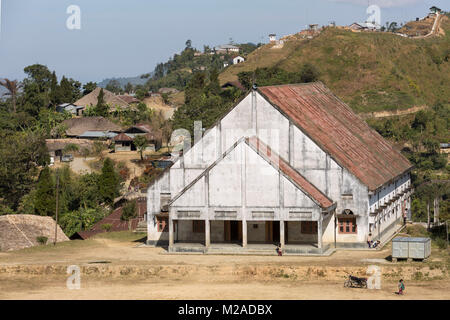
[129,211]
[42,240]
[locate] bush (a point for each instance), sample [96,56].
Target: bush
[107,227]
[42,240]
[129,211]
[441,243]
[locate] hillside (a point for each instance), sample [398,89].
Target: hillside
[124,81]
[369,71]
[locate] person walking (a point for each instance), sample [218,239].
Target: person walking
[401,286]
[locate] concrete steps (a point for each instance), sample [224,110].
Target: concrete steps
[141,227]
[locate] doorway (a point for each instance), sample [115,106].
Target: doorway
[272,231]
[233,231]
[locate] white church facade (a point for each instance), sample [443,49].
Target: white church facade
[289,164]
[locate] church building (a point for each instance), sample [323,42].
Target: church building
[290,165]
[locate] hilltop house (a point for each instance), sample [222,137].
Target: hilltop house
[365,26]
[227,48]
[91,128]
[115,102]
[124,141]
[238,59]
[289,164]
[71,108]
[56,147]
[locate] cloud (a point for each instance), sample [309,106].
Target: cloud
[381,3]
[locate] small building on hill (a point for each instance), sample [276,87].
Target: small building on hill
[56,147]
[238,59]
[70,108]
[168,90]
[365,26]
[124,141]
[76,127]
[444,147]
[227,48]
[115,102]
[129,99]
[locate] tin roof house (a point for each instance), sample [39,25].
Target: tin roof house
[290,165]
[124,141]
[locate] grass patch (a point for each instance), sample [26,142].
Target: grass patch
[123,236]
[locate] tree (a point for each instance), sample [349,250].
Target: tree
[393,26]
[129,88]
[36,89]
[129,211]
[89,87]
[141,143]
[70,90]
[309,73]
[55,92]
[45,201]
[13,89]
[21,154]
[114,86]
[101,109]
[108,182]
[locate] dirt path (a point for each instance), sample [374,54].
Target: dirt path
[225,290]
[384,114]
[118,269]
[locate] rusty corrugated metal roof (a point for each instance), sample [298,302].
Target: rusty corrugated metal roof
[332,124]
[307,187]
[122,137]
[117,224]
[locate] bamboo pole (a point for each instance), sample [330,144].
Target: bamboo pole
[56,209]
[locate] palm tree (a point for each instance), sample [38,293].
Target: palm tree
[13,89]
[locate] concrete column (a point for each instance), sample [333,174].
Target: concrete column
[207,233]
[170,233]
[319,232]
[244,233]
[282,233]
[291,144]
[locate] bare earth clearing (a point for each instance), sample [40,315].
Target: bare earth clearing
[118,267]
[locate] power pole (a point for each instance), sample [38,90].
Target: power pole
[57,196]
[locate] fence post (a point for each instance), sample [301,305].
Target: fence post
[446,230]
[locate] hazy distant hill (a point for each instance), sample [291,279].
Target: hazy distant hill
[123,81]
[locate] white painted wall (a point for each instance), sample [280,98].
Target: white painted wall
[290,143]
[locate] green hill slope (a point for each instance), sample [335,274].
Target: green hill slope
[369,71]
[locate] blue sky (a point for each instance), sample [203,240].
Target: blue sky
[128,37]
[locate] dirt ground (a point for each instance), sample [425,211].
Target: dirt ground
[120,267]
